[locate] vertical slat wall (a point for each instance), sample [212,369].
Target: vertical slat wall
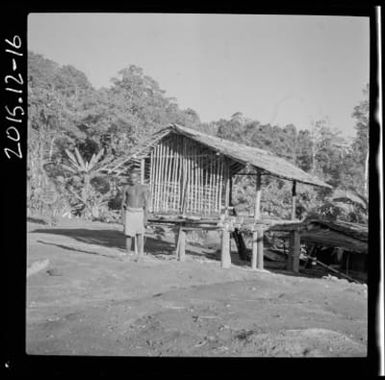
[177,161]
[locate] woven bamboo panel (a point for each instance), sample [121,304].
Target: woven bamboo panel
[185,178]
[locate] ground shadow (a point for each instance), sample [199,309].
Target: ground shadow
[106,238]
[36,220]
[157,247]
[109,238]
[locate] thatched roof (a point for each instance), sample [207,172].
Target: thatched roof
[346,235]
[350,236]
[258,158]
[243,154]
[353,230]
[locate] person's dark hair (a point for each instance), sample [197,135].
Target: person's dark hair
[133,178]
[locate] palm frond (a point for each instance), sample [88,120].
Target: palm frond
[350,196]
[72,157]
[73,170]
[80,159]
[96,158]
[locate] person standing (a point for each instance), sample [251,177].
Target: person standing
[135,214]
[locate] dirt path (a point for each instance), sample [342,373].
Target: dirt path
[91,300]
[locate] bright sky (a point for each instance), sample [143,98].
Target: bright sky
[275,69]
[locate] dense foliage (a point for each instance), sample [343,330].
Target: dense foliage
[75,129]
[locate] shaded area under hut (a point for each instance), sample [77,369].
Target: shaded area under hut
[190,176]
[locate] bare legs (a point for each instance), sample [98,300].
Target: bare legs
[128,245]
[138,245]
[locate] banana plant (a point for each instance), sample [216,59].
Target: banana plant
[83,172]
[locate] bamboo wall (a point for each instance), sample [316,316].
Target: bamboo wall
[186,178]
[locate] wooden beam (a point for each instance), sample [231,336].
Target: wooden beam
[293,200]
[257,208]
[337,272]
[225,249]
[250,174]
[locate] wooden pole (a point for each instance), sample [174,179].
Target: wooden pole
[154,177]
[163,171]
[194,169]
[167,175]
[211,185]
[179,170]
[260,248]
[181,250]
[142,166]
[161,180]
[254,250]
[166,162]
[170,186]
[214,188]
[157,178]
[189,188]
[179,177]
[186,178]
[197,180]
[293,200]
[152,181]
[227,186]
[230,188]
[347,263]
[294,251]
[337,272]
[220,184]
[225,249]
[201,208]
[257,210]
[172,176]
[183,172]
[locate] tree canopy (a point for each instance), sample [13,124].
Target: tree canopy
[71,124]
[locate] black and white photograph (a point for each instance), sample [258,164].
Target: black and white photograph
[197,185]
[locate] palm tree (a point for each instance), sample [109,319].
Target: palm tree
[353,203]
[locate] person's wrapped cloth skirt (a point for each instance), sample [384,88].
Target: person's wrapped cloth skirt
[133,221]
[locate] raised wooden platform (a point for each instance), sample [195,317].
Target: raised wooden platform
[339,234]
[243,224]
[231,226]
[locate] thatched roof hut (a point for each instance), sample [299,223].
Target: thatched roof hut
[190,172]
[350,236]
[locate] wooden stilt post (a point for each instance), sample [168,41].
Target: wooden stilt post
[260,248]
[293,200]
[289,264]
[347,263]
[176,239]
[257,209]
[225,248]
[142,165]
[294,251]
[254,250]
[257,248]
[181,246]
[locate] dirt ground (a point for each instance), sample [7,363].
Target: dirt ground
[87,298]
